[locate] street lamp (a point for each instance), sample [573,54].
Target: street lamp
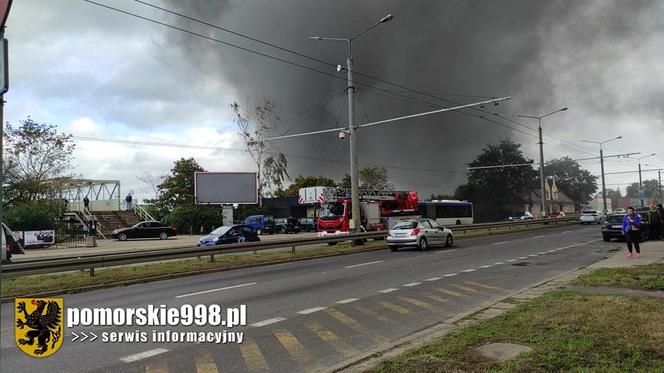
[641,180]
[352,129]
[541,147]
[601,161]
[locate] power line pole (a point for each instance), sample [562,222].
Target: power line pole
[354,181]
[601,161]
[640,185]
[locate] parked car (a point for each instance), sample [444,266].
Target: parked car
[557,215]
[620,210]
[9,245]
[522,215]
[308,224]
[145,229]
[229,234]
[262,224]
[287,225]
[612,227]
[419,234]
[591,217]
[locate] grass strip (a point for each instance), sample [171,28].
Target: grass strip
[650,277]
[568,331]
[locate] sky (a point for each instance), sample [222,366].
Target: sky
[101,74]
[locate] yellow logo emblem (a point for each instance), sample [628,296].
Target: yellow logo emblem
[39,325]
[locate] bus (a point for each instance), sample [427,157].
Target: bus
[447,212]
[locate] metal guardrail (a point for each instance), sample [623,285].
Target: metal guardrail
[92,261]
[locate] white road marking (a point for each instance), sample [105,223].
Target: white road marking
[567,232]
[468,270]
[267,322]
[445,251]
[348,300]
[541,253]
[413,284]
[433,279]
[540,236]
[143,355]
[550,251]
[450,274]
[213,290]
[385,291]
[532,255]
[487,266]
[310,310]
[501,242]
[511,260]
[498,263]
[363,264]
[523,257]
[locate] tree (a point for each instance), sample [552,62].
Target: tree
[497,192]
[345,182]
[374,178]
[612,195]
[150,182]
[578,184]
[255,126]
[178,188]
[304,182]
[651,189]
[37,159]
[29,216]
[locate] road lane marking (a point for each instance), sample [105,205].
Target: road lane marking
[205,364]
[482,285]
[143,355]
[364,264]
[419,303]
[445,251]
[438,299]
[354,324]
[412,284]
[267,322]
[450,274]
[394,307]
[466,288]
[451,292]
[511,260]
[372,313]
[540,236]
[293,346]
[523,257]
[541,253]
[347,300]
[213,290]
[486,266]
[498,263]
[552,250]
[566,232]
[253,358]
[330,338]
[468,270]
[433,279]
[385,291]
[310,310]
[501,242]
[532,255]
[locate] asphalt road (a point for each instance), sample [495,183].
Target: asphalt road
[310,315]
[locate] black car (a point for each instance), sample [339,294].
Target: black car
[612,227]
[230,234]
[145,229]
[287,225]
[308,224]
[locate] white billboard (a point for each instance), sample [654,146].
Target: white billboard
[226,187]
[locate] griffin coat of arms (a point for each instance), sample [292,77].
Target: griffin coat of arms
[39,325]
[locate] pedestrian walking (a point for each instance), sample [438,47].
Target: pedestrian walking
[128,199]
[86,203]
[660,213]
[632,230]
[654,223]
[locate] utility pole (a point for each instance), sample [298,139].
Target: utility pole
[659,176]
[544,213]
[601,162]
[640,179]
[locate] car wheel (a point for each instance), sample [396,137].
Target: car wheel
[458,222]
[423,244]
[394,248]
[163,236]
[122,237]
[331,243]
[449,242]
[606,238]
[259,231]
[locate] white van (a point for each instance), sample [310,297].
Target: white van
[9,244]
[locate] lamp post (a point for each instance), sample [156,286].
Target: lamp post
[541,149]
[352,129]
[640,179]
[601,161]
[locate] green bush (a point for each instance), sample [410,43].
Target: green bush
[37,215]
[195,219]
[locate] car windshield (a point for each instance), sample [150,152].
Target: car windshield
[588,212]
[331,210]
[280,221]
[405,225]
[614,219]
[221,230]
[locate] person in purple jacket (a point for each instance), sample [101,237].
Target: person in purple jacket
[632,230]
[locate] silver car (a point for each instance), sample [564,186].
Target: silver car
[591,217]
[418,233]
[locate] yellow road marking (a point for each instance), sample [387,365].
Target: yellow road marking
[438,299]
[252,356]
[330,338]
[354,324]
[466,288]
[483,286]
[205,364]
[451,292]
[419,303]
[156,367]
[371,313]
[394,307]
[293,346]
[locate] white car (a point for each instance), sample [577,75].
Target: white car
[591,217]
[419,234]
[619,210]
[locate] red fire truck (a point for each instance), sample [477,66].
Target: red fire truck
[378,208]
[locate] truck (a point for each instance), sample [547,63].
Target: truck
[380,209]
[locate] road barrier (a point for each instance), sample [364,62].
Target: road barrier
[92,261]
